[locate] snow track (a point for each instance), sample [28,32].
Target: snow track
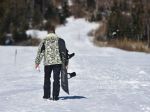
[108,79]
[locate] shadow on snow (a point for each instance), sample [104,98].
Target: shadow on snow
[72,97]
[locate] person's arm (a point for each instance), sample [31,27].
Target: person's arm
[40,54]
[63,50]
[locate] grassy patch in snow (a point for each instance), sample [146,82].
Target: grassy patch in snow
[29,42]
[125,44]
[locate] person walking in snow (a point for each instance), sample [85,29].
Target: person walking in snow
[49,49]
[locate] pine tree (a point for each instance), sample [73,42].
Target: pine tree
[65,9]
[91,4]
[114,21]
[147,21]
[137,16]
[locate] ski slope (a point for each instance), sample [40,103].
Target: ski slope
[108,79]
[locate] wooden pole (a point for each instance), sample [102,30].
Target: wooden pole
[15,56]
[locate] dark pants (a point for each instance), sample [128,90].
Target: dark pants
[56,83]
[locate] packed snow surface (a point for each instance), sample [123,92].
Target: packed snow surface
[108,79]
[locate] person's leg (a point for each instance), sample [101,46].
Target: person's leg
[47,83]
[56,83]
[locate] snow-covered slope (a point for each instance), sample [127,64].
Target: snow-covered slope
[108,79]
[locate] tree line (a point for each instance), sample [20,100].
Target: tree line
[123,18]
[16,16]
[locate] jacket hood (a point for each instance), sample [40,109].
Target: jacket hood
[51,37]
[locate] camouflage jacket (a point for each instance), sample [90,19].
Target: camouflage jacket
[51,50]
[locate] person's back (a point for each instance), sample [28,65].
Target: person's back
[49,49]
[51,54]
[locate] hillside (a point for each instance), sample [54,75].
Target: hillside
[108,79]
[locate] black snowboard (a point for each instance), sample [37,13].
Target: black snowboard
[64,76]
